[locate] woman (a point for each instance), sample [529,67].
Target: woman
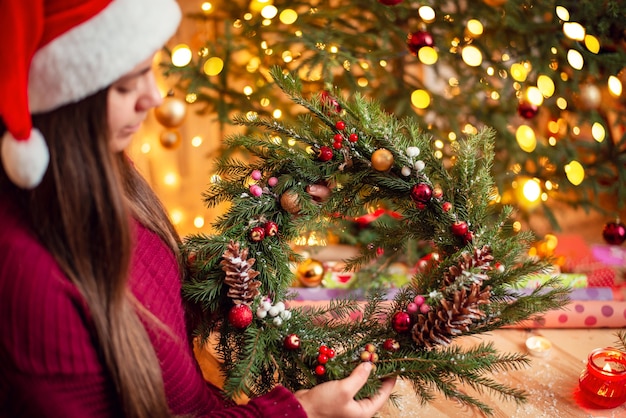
[90,307]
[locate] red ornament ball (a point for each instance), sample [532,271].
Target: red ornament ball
[320,370]
[446,206]
[401,322]
[325,154]
[417,40]
[292,342]
[459,228]
[271,229]
[340,125]
[322,358]
[257,234]
[421,193]
[614,233]
[390,2]
[527,110]
[353,137]
[391,345]
[240,316]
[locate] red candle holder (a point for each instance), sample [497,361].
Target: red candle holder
[603,381]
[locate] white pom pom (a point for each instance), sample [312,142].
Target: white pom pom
[274,311]
[406,171]
[412,151]
[25,161]
[280,306]
[277,321]
[260,313]
[419,165]
[285,315]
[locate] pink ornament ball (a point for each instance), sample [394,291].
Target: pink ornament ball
[256,175]
[272,181]
[419,300]
[412,307]
[256,190]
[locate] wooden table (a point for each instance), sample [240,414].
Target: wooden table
[551,382]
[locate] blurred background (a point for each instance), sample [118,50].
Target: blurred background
[548,76]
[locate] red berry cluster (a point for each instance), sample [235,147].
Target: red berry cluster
[324,354]
[258,233]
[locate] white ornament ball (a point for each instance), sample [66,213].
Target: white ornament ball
[274,311]
[406,171]
[419,165]
[277,321]
[412,151]
[260,313]
[285,315]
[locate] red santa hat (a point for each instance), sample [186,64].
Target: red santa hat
[56,52]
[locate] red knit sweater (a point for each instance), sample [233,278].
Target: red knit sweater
[49,365]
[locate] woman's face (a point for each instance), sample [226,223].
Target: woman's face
[128,102]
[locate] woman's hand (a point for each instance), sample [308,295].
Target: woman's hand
[336,398]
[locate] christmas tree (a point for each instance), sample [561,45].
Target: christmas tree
[545,75]
[238,286]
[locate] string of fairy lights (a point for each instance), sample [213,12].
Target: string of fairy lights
[529,191]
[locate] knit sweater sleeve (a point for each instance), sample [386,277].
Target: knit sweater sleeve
[48,364]
[155,281]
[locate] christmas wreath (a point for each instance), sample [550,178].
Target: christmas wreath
[238,286]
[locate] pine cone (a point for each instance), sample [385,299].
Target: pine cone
[473,265]
[240,277]
[452,317]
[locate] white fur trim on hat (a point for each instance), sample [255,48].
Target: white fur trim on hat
[25,161]
[94,54]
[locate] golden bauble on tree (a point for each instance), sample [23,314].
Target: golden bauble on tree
[589,97]
[290,201]
[171,113]
[382,159]
[310,272]
[170,138]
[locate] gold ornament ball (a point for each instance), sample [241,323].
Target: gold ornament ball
[590,96]
[290,201]
[382,159]
[310,272]
[170,139]
[171,113]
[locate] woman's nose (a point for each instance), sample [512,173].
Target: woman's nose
[152,96]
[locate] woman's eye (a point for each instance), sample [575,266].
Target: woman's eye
[125,88]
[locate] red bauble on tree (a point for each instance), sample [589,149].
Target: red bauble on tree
[390,2]
[460,229]
[292,342]
[421,193]
[417,40]
[401,322]
[240,316]
[271,229]
[527,110]
[614,233]
[257,234]
[325,154]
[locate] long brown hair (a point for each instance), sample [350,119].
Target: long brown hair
[81,212]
